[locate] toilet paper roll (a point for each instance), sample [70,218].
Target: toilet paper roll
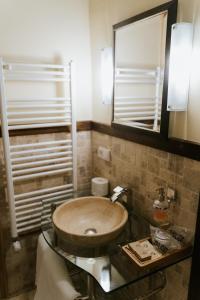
[99,186]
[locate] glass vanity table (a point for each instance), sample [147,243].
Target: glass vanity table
[110,267]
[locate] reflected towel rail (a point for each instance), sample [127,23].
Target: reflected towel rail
[127,107]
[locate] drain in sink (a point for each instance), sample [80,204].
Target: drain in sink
[90,231]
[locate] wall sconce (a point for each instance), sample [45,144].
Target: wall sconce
[107,75]
[179,66]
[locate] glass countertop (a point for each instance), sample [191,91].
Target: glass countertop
[110,266]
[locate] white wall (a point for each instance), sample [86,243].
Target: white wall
[134,48]
[50,31]
[186,125]
[104,14]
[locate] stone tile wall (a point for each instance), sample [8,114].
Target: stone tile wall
[145,169]
[20,266]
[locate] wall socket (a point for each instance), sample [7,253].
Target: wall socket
[104,153]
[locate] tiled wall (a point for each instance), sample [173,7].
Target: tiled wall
[20,266]
[145,169]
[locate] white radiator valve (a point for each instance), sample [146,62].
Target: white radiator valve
[17,246]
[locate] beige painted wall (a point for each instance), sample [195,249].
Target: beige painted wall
[50,31]
[105,13]
[134,49]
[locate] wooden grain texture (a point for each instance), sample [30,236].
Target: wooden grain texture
[151,139]
[167,258]
[81,126]
[171,8]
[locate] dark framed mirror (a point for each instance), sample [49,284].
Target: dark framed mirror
[141,59]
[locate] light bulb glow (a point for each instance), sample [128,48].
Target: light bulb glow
[179,66]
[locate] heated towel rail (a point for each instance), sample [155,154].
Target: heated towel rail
[36,160]
[143,109]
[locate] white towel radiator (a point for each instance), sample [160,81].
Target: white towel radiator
[33,161]
[134,110]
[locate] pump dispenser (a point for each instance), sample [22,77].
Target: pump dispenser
[161,208]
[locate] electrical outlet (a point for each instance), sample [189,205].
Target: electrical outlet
[104,153]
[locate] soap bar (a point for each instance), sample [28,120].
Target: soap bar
[144,250]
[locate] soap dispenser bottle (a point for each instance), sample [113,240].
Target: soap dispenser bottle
[161,208]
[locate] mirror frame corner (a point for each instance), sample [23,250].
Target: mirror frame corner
[171,8]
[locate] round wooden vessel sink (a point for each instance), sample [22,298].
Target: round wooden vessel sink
[89,221]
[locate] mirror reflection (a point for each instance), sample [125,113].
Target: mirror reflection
[139,72]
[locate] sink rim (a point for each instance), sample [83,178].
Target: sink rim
[114,229]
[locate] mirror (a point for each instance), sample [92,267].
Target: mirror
[186,125]
[141,69]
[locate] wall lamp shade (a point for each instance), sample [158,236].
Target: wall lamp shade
[179,66]
[107,75]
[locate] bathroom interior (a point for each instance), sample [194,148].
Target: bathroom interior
[99,149]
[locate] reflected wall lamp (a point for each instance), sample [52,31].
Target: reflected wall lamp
[107,75]
[179,66]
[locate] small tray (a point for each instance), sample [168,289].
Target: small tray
[165,258]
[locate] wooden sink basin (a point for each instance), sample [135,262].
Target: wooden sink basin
[89,221]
